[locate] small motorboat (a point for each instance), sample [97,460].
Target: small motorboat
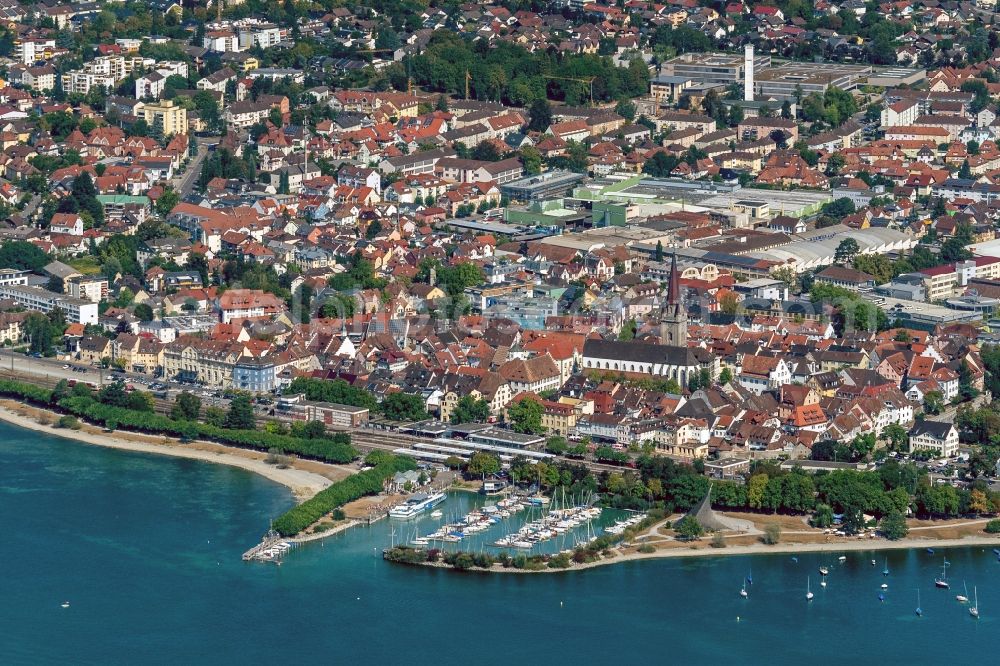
[65,604]
[842,558]
[436,513]
[881,597]
[930,551]
[885,586]
[873,562]
[823,571]
[822,583]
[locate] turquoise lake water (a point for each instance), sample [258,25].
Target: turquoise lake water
[147,551]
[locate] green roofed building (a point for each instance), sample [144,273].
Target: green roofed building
[117,205]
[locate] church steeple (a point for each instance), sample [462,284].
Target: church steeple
[673,319]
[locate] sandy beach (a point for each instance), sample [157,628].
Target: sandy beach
[303,478]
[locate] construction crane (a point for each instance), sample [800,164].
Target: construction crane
[409,79]
[589,81]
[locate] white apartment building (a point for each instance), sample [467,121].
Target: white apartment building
[35,298]
[222,41]
[88,288]
[40,78]
[937,436]
[264,36]
[105,71]
[13,276]
[30,51]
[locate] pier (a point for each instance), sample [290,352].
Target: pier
[270,549]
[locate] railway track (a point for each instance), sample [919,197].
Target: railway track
[363,439]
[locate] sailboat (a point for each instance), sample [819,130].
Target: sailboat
[942,582]
[885,572]
[974,611]
[743,592]
[919,611]
[750,575]
[963,598]
[809,594]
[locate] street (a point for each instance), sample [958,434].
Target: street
[184,184]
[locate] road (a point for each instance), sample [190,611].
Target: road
[948,414]
[184,184]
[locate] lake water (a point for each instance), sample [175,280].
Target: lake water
[147,551]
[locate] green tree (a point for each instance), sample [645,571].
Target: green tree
[403,407]
[557,445]
[846,250]
[241,415]
[23,255]
[483,464]
[144,312]
[470,410]
[756,490]
[627,331]
[539,115]
[933,402]
[37,329]
[531,159]
[186,407]
[167,201]
[893,526]
[688,528]
[896,436]
[525,416]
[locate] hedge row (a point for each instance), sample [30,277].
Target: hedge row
[23,391]
[369,482]
[335,449]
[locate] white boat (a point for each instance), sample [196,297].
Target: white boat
[885,586]
[417,504]
[974,610]
[822,583]
[65,604]
[942,582]
[842,558]
[963,598]
[743,592]
[823,571]
[436,513]
[809,594]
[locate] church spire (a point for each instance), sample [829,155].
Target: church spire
[673,289]
[673,319]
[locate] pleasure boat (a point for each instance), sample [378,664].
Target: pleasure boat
[417,504]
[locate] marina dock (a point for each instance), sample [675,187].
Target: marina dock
[271,548]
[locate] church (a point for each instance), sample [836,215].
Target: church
[671,359]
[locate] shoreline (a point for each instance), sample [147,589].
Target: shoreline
[302,483]
[751,550]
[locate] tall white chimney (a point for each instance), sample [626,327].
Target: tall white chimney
[748,73]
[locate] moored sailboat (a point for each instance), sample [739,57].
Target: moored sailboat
[942,582]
